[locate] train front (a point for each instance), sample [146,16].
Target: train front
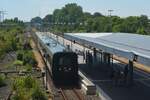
[65,68]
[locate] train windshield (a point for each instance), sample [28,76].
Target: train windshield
[65,60]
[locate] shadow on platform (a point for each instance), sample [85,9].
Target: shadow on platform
[99,74]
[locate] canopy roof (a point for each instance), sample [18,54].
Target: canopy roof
[122,44]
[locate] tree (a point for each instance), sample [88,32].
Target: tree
[97,14]
[71,18]
[143,21]
[36,20]
[16,19]
[141,31]
[48,19]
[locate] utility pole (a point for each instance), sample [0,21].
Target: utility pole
[2,15]
[110,13]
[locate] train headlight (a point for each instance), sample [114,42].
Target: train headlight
[69,69]
[59,69]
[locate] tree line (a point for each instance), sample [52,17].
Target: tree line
[71,18]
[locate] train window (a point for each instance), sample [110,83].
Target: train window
[61,61]
[59,69]
[65,61]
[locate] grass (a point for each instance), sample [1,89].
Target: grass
[27,88]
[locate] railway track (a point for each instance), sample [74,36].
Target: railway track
[9,95]
[63,93]
[60,93]
[72,94]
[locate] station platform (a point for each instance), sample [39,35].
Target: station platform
[117,91]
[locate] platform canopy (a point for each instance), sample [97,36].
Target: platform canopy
[121,44]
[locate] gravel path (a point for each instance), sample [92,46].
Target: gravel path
[37,55]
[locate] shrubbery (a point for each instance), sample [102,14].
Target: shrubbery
[37,94]
[27,88]
[11,36]
[19,55]
[2,81]
[28,59]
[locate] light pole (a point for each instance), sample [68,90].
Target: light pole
[110,13]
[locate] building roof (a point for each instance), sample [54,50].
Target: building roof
[122,44]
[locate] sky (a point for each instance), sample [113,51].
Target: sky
[27,9]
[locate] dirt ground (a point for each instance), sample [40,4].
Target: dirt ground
[37,55]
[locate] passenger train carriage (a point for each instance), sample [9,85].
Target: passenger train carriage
[63,63]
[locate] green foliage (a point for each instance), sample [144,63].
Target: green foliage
[20,55]
[37,94]
[18,63]
[36,20]
[141,31]
[17,84]
[27,88]
[29,82]
[2,81]
[21,95]
[28,67]
[26,82]
[10,35]
[71,18]
[28,58]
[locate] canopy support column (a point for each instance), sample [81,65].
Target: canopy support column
[130,74]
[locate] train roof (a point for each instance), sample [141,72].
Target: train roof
[52,45]
[122,44]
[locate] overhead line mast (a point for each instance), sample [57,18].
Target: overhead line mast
[2,15]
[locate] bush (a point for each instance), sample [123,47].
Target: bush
[33,62]
[21,95]
[29,82]
[17,84]
[2,81]
[18,63]
[26,88]
[20,55]
[28,56]
[29,59]
[37,94]
[28,67]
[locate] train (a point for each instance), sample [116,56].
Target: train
[63,63]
